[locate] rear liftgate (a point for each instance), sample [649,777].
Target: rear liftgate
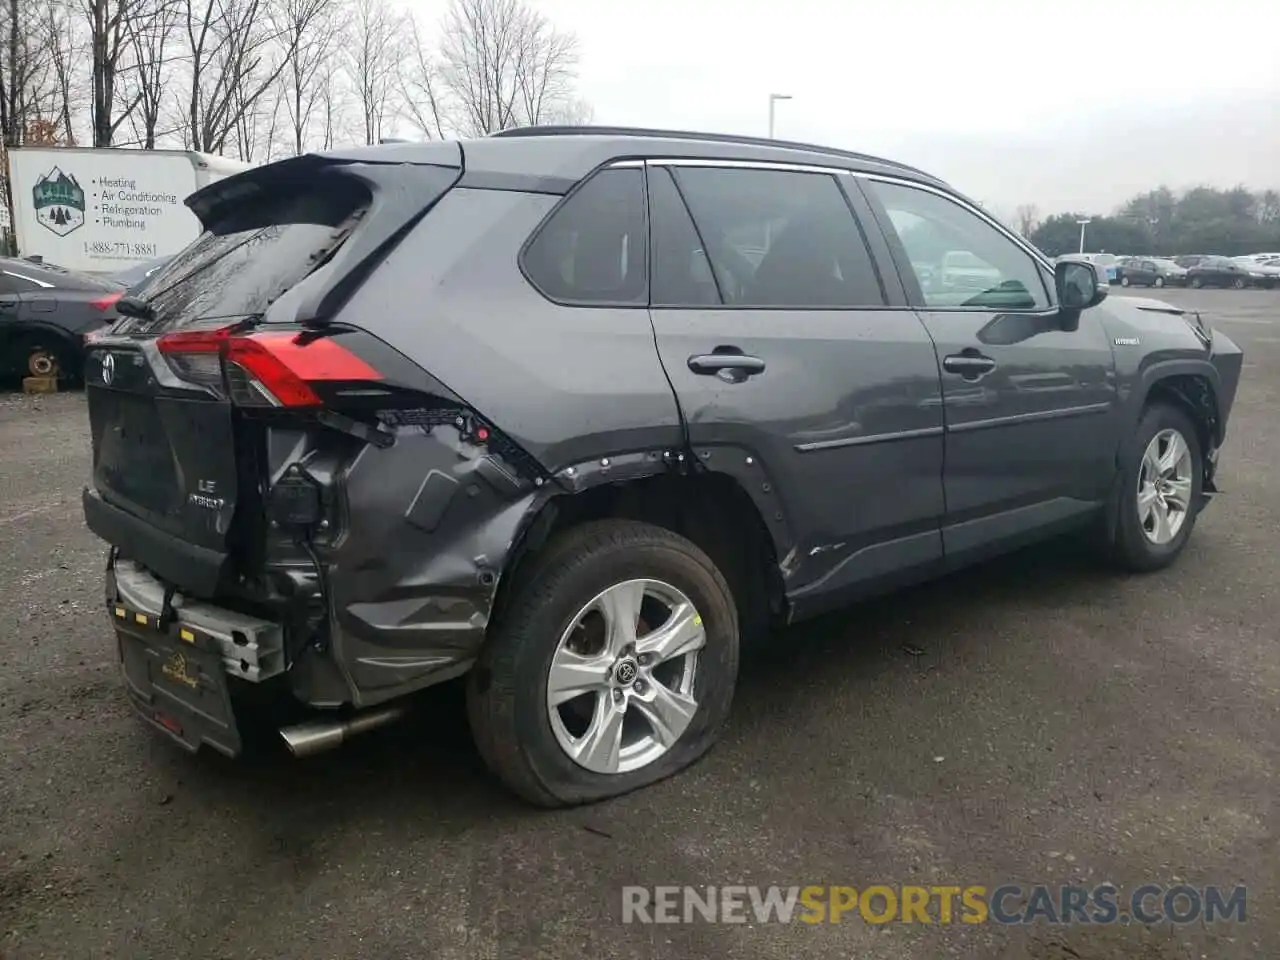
[380,511]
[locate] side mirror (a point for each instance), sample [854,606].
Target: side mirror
[1078,286]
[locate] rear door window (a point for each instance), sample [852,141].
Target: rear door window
[777,238]
[592,250]
[682,275]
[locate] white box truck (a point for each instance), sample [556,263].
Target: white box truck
[104,210]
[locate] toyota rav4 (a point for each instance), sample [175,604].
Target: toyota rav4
[575,412]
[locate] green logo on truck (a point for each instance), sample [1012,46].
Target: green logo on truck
[59,201]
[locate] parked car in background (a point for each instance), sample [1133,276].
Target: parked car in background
[606,497]
[46,312]
[1270,271]
[1150,272]
[1261,257]
[136,276]
[1225,272]
[1108,265]
[962,270]
[1189,260]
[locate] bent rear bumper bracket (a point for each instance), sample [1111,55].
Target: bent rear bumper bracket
[251,649]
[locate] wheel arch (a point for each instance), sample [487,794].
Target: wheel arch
[1192,386]
[676,491]
[18,339]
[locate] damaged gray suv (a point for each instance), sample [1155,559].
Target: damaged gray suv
[576,412]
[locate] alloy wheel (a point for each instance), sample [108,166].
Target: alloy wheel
[620,688]
[1164,487]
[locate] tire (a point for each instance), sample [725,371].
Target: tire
[1158,282]
[1128,543]
[519,734]
[1124,281]
[1196,283]
[1239,283]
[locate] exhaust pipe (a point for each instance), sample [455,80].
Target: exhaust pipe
[317,736]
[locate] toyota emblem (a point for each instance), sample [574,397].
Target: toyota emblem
[108,369]
[626,672]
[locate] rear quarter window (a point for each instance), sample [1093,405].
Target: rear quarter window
[593,248]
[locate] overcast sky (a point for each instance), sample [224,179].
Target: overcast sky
[1065,105]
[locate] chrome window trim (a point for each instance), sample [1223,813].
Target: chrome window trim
[1037,258]
[1018,241]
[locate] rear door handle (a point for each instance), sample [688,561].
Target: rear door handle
[968,365]
[730,367]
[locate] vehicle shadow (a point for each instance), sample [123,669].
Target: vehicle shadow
[429,756]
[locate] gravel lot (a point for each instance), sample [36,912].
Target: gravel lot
[1030,720]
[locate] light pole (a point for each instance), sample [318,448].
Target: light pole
[773,99]
[1083,224]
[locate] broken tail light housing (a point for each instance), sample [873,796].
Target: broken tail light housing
[266,368]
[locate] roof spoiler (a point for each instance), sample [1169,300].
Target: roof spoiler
[211,202]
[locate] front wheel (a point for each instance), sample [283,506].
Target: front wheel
[612,667]
[1239,283]
[1197,283]
[1124,281]
[1158,494]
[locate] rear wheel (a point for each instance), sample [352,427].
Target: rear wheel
[1158,494]
[613,665]
[1158,282]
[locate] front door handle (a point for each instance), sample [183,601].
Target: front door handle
[969,364]
[729,367]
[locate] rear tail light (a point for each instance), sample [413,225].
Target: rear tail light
[107,301]
[275,369]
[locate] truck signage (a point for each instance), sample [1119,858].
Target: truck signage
[59,202]
[107,210]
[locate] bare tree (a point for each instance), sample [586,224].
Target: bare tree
[26,94]
[1028,218]
[311,28]
[545,70]
[373,60]
[504,65]
[66,46]
[154,54]
[257,124]
[110,26]
[235,55]
[421,88]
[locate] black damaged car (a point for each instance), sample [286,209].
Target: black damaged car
[576,412]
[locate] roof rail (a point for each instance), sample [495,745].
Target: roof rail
[590,131]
